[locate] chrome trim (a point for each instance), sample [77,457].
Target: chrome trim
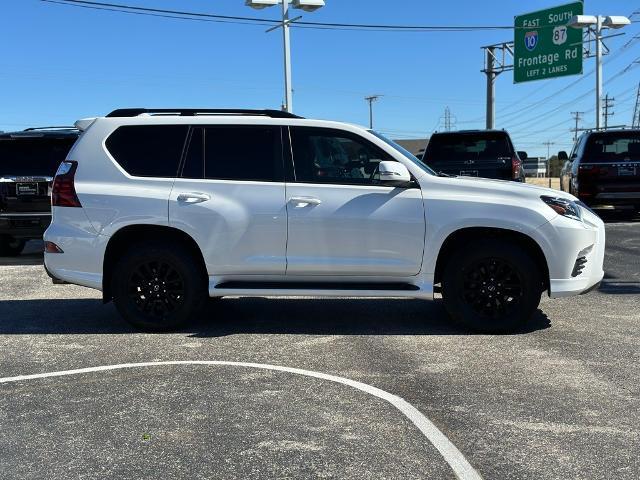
[618,195]
[16,179]
[37,214]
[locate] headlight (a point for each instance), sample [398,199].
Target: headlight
[564,207]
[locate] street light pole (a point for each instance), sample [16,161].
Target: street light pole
[598,71]
[598,23]
[307,6]
[288,89]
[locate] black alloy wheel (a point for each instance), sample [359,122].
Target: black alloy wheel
[494,286]
[158,286]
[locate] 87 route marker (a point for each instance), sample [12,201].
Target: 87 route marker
[544,47]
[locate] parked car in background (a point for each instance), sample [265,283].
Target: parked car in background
[160,209]
[475,153]
[603,169]
[28,162]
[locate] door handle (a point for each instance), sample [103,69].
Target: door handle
[301,202]
[193,197]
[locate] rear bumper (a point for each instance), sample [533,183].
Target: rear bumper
[24,225]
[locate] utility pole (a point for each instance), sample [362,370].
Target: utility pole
[607,106]
[635,122]
[371,99]
[548,144]
[577,116]
[498,58]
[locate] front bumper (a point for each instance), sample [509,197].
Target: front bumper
[24,225]
[568,241]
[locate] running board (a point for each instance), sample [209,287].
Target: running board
[319,289]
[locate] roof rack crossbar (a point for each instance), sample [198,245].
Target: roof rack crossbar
[187,112]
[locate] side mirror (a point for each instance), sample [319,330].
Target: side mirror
[393,173]
[523,156]
[563,156]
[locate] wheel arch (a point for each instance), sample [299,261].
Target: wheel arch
[466,236]
[131,234]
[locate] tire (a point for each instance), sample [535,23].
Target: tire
[173,274]
[477,305]
[11,247]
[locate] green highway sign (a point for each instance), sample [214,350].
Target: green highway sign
[544,47]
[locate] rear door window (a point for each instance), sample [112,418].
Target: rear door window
[461,147]
[229,152]
[148,150]
[613,147]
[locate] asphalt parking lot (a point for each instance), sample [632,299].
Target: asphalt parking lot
[560,400]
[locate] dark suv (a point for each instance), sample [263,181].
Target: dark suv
[603,169]
[475,153]
[28,162]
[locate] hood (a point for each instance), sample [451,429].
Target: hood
[500,187]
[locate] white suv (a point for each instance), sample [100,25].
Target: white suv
[159,209]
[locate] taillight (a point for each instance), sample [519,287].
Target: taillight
[63,192]
[589,169]
[516,165]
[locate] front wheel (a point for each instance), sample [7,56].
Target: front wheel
[493,287]
[158,287]
[11,247]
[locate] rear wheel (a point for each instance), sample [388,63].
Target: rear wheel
[11,247]
[494,287]
[157,287]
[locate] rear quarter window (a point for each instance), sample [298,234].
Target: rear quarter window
[148,150]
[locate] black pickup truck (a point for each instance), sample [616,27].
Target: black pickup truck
[28,161]
[475,153]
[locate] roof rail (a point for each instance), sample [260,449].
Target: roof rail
[32,129]
[189,112]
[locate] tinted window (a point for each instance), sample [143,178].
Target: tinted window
[333,156]
[242,153]
[613,147]
[32,156]
[194,159]
[468,146]
[148,150]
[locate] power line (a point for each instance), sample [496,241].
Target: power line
[182,14]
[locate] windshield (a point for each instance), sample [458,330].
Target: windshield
[406,153]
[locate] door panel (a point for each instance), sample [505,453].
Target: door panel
[354,230]
[234,203]
[241,228]
[342,220]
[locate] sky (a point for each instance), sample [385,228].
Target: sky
[61,63]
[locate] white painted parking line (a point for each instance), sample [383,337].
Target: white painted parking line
[458,463]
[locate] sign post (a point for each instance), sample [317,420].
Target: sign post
[544,46]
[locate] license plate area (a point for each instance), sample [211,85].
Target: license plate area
[26,189]
[468,173]
[626,170]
